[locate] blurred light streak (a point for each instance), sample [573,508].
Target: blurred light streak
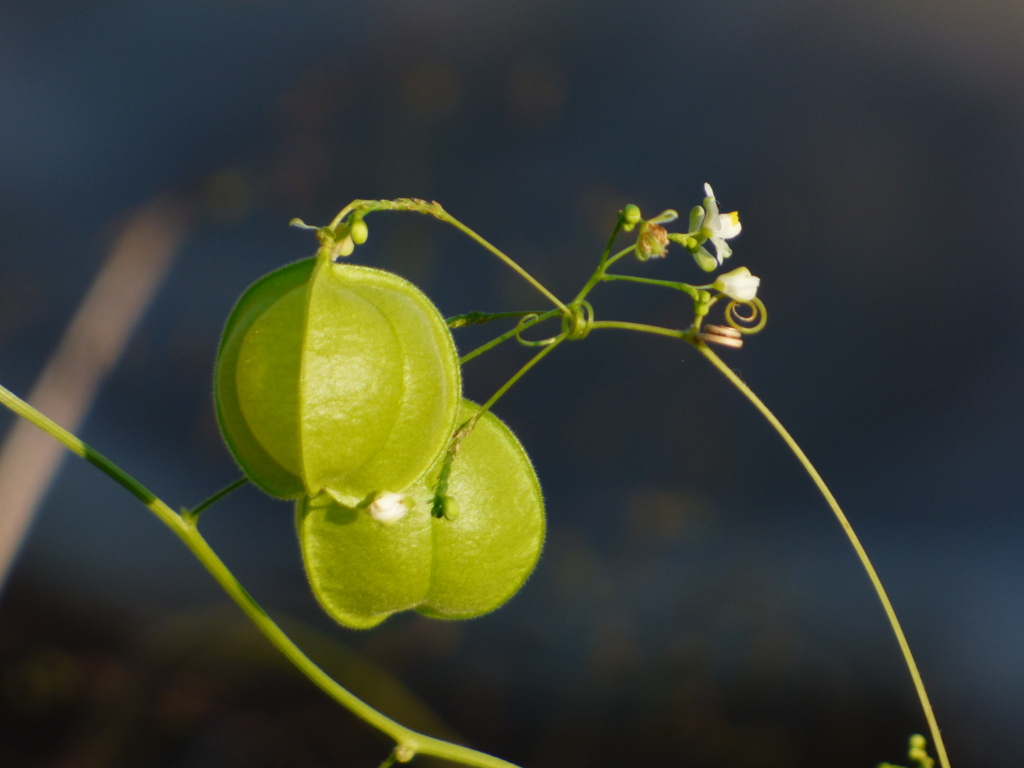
[91,345]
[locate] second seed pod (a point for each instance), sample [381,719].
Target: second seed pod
[366,562]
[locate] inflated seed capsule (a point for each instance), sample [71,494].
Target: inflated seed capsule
[335,377]
[452,568]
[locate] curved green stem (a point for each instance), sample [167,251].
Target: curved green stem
[507,259]
[876,582]
[434,209]
[409,742]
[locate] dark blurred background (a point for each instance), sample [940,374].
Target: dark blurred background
[696,603]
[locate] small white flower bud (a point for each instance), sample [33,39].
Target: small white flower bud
[387,508]
[345,246]
[738,284]
[404,754]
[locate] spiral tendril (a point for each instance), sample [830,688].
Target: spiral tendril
[753,322]
[577,323]
[526,342]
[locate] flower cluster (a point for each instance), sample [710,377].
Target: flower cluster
[707,225]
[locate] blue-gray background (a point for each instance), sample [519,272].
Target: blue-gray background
[695,603]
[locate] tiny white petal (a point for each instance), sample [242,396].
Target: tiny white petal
[730,225]
[388,508]
[708,191]
[712,220]
[722,249]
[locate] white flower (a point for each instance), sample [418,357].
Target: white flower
[716,227]
[388,508]
[738,284]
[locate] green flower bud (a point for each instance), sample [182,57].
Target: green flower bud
[358,231]
[451,567]
[629,216]
[335,377]
[696,218]
[449,507]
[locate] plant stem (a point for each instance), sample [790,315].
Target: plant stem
[185,528]
[76,446]
[446,217]
[434,209]
[641,327]
[876,582]
[192,515]
[480,318]
[516,376]
[611,241]
[599,273]
[686,288]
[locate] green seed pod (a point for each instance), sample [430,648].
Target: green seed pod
[335,377]
[362,570]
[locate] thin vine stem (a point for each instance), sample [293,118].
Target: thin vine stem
[876,582]
[79,448]
[599,273]
[481,318]
[611,260]
[448,218]
[686,288]
[641,327]
[194,513]
[410,742]
[516,376]
[464,430]
[619,222]
[434,209]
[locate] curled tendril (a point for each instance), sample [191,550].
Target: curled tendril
[526,342]
[746,323]
[577,323]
